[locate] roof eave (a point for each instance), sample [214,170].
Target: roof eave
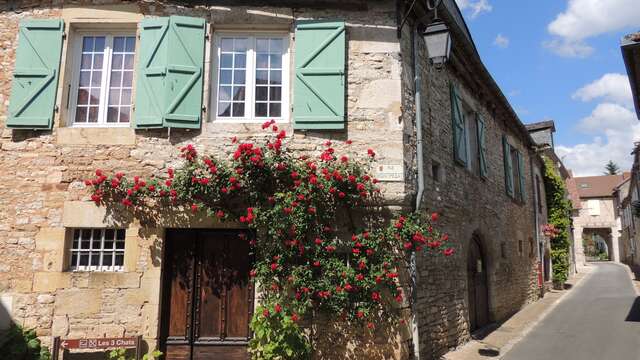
[631,63]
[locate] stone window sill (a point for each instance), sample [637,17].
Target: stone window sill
[95,136]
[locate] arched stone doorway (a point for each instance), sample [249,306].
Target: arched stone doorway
[477,285]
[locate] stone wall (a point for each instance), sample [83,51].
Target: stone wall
[472,206]
[607,219]
[41,173]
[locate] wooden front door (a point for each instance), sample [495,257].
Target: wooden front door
[207,295]
[477,285]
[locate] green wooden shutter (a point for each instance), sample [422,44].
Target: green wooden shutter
[521,177]
[508,166]
[184,72]
[36,73]
[170,72]
[151,76]
[319,85]
[482,146]
[459,130]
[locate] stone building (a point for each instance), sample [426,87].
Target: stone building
[104,84]
[597,222]
[622,204]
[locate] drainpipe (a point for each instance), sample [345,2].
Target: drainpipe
[537,196]
[419,190]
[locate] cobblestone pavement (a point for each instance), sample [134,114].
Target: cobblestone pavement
[599,320]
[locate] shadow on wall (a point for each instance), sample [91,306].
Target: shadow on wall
[634,312]
[5,312]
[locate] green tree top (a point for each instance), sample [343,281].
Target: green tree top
[612,168]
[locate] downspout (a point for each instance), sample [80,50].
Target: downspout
[420,188]
[537,195]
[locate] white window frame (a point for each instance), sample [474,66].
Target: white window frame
[250,78]
[96,268]
[594,207]
[106,77]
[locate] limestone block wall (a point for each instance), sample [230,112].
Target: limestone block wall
[41,173]
[607,219]
[470,205]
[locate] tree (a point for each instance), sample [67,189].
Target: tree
[612,168]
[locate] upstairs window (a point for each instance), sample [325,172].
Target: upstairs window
[251,79]
[97,250]
[102,80]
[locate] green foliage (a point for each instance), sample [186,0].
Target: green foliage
[277,336]
[298,209]
[612,168]
[121,354]
[559,215]
[23,344]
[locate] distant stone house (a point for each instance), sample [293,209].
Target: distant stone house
[598,220]
[104,85]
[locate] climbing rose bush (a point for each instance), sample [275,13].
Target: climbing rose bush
[302,263]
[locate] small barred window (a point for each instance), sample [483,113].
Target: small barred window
[97,250]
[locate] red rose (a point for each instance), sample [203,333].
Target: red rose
[265,312]
[294,317]
[359,314]
[278,308]
[349,142]
[371,153]
[253,273]
[274,267]
[359,277]
[435,216]
[449,251]
[375,296]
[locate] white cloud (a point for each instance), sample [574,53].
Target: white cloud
[613,125]
[501,41]
[475,7]
[568,48]
[610,87]
[588,18]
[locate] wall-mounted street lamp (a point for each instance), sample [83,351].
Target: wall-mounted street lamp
[437,37]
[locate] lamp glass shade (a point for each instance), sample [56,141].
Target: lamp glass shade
[438,41]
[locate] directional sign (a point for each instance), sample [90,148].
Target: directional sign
[99,343]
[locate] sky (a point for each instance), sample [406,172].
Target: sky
[560,60]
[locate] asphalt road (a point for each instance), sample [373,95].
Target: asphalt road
[598,320]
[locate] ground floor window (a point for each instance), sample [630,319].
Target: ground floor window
[97,250]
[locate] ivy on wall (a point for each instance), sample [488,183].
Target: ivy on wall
[303,263]
[559,216]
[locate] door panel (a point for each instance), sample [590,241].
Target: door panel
[477,284]
[208,298]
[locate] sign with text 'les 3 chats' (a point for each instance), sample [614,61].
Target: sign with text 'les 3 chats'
[98,343]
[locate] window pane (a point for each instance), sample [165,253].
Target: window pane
[86,234]
[239,77]
[275,46]
[74,259]
[261,109]
[83,97]
[238,93]
[274,109]
[97,61]
[85,62]
[225,77]
[119,259]
[240,61]
[112,114]
[107,259]
[261,93]
[262,77]
[275,61]
[96,244]
[116,78]
[95,97]
[96,78]
[224,109]
[118,44]
[238,109]
[116,61]
[128,61]
[120,234]
[87,44]
[95,259]
[275,93]
[131,44]
[127,78]
[84,259]
[262,45]
[120,244]
[126,97]
[262,61]
[275,77]
[225,93]
[114,97]
[81,114]
[124,114]
[84,78]
[93,114]
[240,45]
[226,61]
[98,45]
[227,44]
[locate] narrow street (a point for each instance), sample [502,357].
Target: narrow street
[599,320]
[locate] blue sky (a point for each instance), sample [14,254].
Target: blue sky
[561,60]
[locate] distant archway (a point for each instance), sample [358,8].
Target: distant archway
[477,285]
